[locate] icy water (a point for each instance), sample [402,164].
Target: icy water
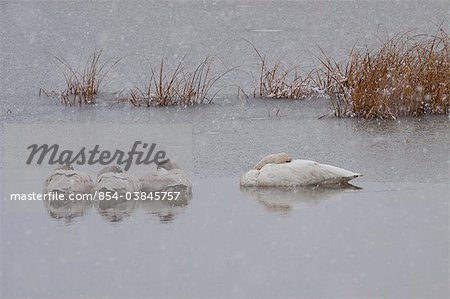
[388,239]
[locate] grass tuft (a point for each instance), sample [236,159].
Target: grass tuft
[81,87]
[177,87]
[278,82]
[407,76]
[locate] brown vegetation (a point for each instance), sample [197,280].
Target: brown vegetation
[278,82]
[82,87]
[407,76]
[178,87]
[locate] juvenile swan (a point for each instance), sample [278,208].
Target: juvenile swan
[66,180]
[278,170]
[166,176]
[112,179]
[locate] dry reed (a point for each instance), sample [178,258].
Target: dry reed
[82,87]
[177,87]
[278,82]
[407,76]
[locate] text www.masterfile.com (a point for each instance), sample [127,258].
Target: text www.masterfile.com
[98,195]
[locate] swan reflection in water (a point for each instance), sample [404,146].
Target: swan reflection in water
[282,200]
[166,210]
[115,210]
[66,209]
[111,188]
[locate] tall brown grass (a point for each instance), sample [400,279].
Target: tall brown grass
[407,76]
[279,82]
[82,87]
[177,87]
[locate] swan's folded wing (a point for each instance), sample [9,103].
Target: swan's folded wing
[118,182]
[289,174]
[163,179]
[302,173]
[181,176]
[335,175]
[68,181]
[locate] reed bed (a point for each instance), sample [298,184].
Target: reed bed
[407,76]
[82,87]
[279,82]
[177,87]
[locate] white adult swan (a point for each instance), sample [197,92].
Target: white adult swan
[64,179]
[113,179]
[166,176]
[281,170]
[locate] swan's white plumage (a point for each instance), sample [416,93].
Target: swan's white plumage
[119,182]
[162,179]
[67,181]
[297,173]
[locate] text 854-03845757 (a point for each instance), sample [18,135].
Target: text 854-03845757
[156,195]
